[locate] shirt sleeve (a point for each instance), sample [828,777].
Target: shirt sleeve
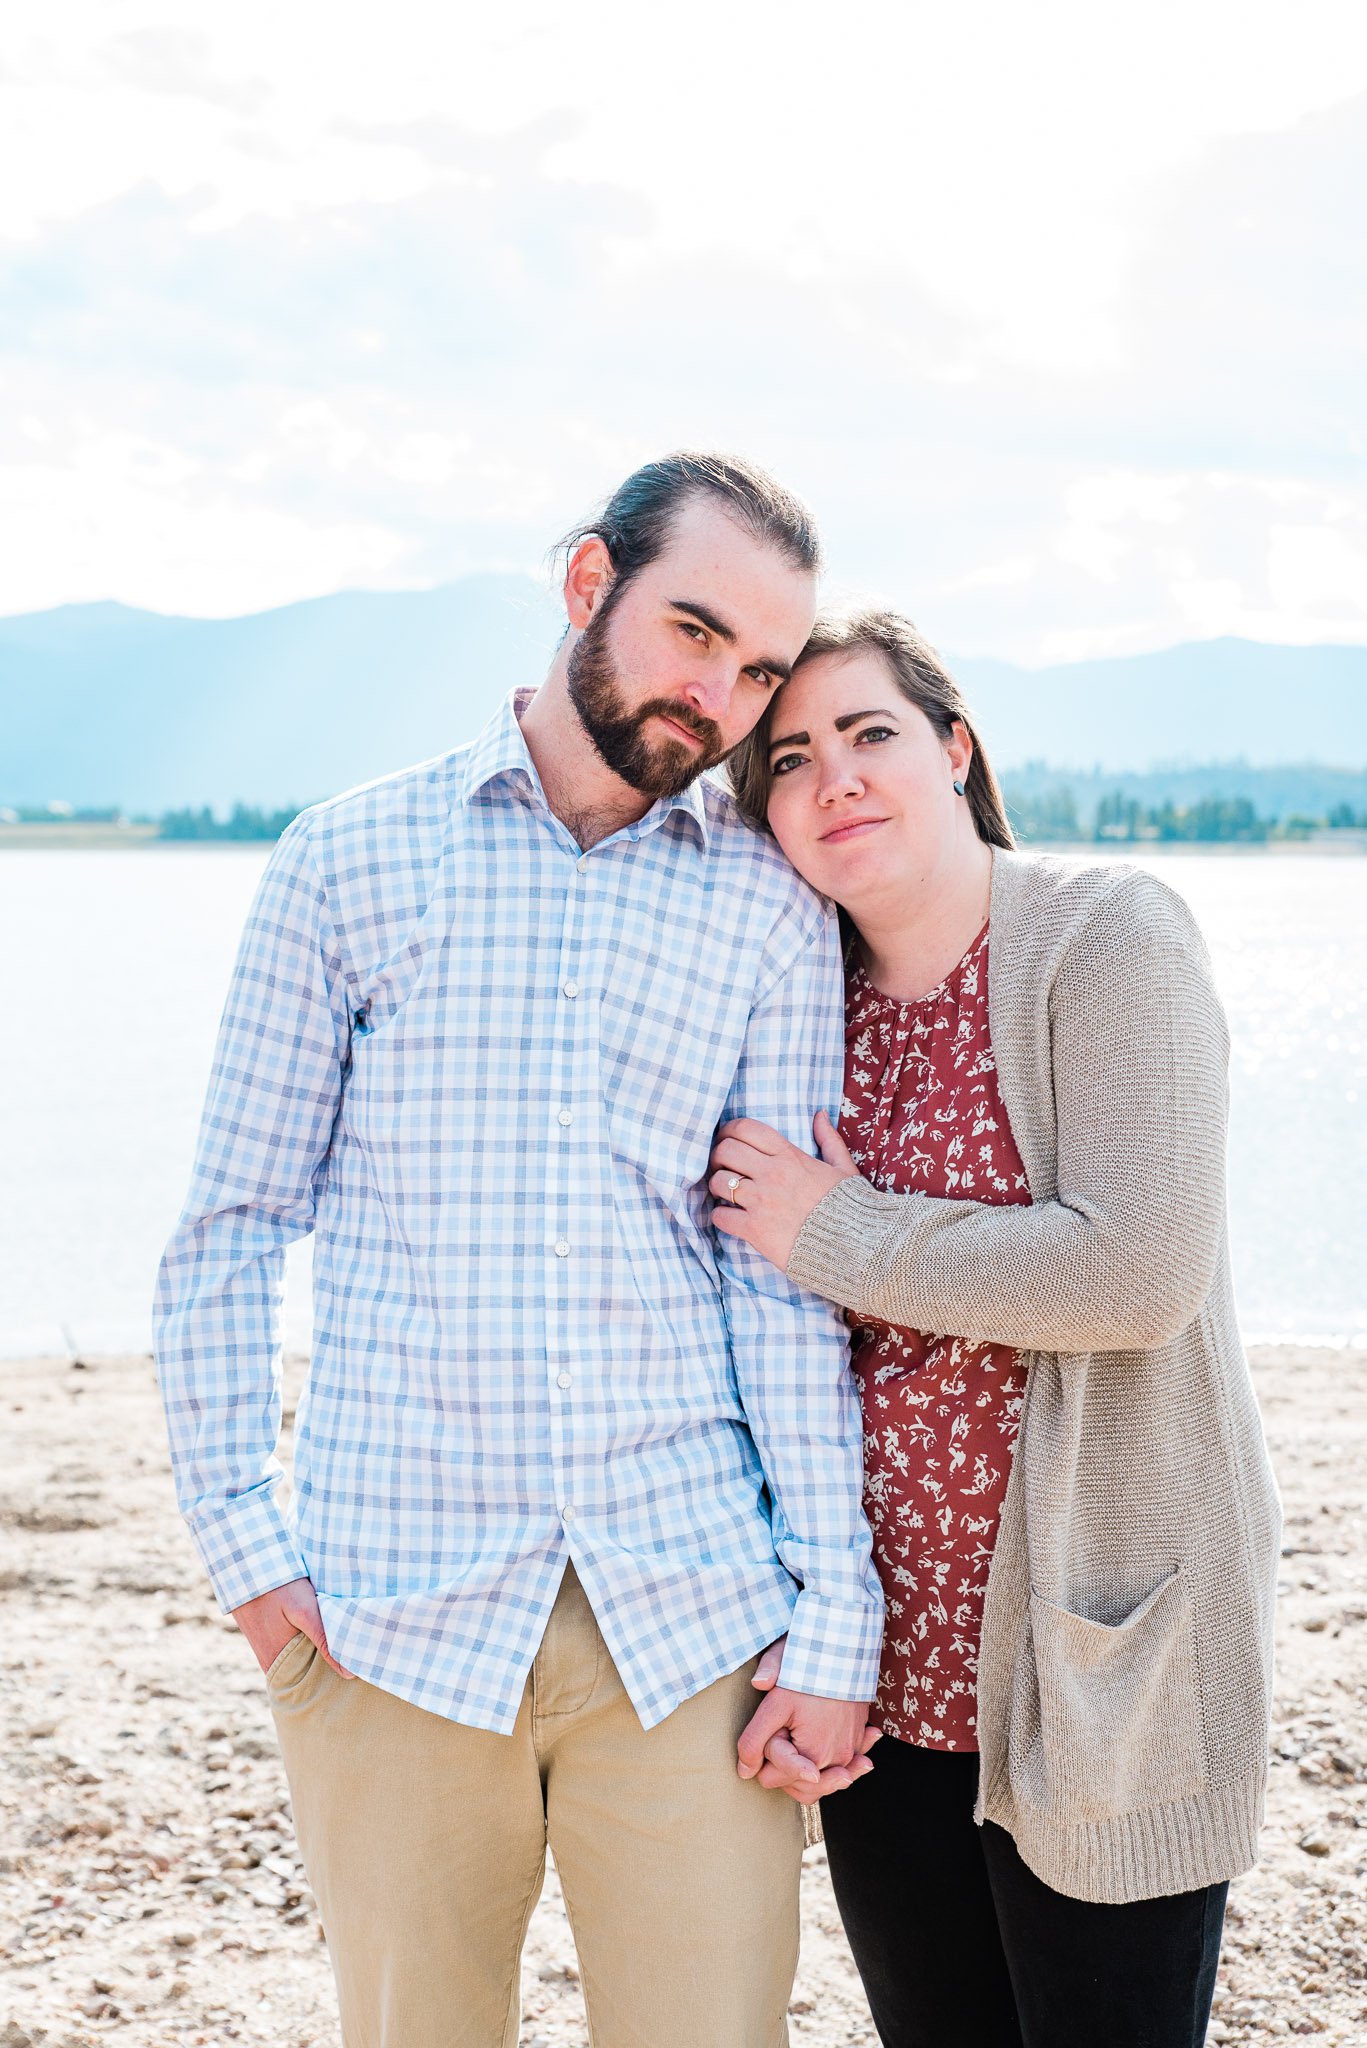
[791,1353]
[263,1144]
[1123,1254]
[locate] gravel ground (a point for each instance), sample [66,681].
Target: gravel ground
[149,1887]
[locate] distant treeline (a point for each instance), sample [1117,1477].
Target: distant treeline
[1233,804]
[1222,803]
[1231,819]
[244,821]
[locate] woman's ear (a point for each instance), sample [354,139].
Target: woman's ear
[959,748]
[587,580]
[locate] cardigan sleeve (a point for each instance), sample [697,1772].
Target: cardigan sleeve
[1123,1255]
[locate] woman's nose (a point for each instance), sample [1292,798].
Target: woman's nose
[838,782]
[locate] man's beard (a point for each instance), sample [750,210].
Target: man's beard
[660,768]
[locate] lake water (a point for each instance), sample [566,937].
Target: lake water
[119,961]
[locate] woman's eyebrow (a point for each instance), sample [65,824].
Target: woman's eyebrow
[853,717]
[804,739]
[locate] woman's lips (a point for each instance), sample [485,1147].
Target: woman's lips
[857,828]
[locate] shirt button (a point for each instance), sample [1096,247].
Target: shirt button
[582,863]
[571,989]
[562,1250]
[565,1117]
[562,1379]
[567,1514]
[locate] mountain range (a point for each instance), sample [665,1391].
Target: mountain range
[104,704]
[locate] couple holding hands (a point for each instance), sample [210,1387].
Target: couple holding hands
[774,1342]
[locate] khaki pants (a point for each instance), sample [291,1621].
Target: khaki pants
[425,1843]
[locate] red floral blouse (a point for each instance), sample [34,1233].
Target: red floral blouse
[923,1113]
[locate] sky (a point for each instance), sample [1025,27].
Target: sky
[1057,315]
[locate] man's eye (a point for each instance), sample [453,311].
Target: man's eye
[693,631]
[760,675]
[786,763]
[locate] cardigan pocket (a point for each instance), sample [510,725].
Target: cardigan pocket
[1120,1723]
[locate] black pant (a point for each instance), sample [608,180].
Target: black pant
[961,1946]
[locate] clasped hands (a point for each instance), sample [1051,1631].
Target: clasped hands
[802,1745]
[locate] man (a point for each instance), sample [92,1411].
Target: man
[566,1460]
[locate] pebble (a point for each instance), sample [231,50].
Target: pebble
[183,1937]
[1315,1843]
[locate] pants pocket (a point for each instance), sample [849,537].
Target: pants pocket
[1119,1708]
[280,1665]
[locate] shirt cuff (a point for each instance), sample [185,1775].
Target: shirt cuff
[246,1547]
[833,1647]
[842,1237]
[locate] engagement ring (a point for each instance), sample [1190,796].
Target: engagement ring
[732,1183]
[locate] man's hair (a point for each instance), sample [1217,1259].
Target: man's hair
[634,525]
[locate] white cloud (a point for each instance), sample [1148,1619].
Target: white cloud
[1062,336]
[1320,570]
[1107,517]
[106,522]
[179,62]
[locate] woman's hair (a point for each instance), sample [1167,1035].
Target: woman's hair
[923,680]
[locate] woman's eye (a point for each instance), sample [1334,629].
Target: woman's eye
[786,763]
[876,732]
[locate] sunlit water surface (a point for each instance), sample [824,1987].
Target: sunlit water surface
[119,961]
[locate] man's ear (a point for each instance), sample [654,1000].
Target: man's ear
[587,580]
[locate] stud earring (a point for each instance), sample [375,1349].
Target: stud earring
[958,788]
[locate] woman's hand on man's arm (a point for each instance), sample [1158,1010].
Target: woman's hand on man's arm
[766,1188]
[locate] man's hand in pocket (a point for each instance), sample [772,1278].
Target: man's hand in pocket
[275,1618]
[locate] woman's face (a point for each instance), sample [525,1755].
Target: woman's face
[861,789]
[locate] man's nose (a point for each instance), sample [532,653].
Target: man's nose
[710,689]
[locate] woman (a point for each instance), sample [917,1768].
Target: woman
[1072,1508]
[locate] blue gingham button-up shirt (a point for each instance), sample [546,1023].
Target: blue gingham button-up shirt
[484,1068]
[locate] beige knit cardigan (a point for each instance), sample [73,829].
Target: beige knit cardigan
[1126,1662]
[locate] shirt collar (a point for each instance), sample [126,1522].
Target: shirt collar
[500,750]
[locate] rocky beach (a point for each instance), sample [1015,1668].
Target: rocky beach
[149,1888]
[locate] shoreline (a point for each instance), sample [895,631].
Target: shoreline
[1345,844]
[150,1884]
[67,1352]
